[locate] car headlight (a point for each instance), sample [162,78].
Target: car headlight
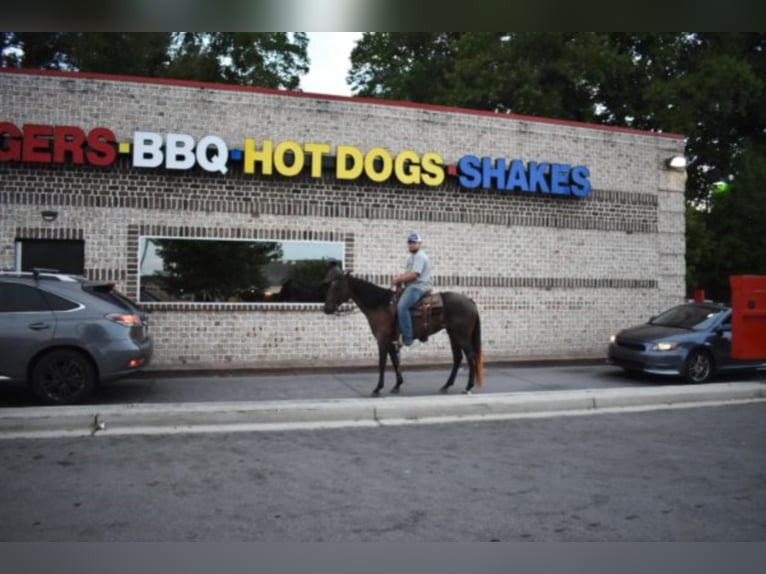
[664,346]
[613,339]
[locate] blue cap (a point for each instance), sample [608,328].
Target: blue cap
[414,238]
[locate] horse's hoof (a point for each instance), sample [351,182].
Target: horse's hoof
[375,394]
[395,391]
[443,390]
[467,392]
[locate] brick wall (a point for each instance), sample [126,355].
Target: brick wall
[553,277]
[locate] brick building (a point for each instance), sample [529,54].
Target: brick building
[562,232]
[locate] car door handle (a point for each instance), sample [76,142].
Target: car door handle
[39,326]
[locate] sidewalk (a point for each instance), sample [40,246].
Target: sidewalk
[197,402]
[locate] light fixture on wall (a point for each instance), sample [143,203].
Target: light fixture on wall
[49,215]
[676,162]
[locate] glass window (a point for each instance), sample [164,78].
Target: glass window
[235,271]
[57,303]
[689,316]
[16,298]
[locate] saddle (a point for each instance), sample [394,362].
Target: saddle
[423,313]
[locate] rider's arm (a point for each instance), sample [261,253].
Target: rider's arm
[405,278]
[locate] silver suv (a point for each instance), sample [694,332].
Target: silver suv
[64,335]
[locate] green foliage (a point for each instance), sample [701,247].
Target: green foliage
[732,241]
[264,59]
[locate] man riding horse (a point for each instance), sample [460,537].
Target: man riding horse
[416,280]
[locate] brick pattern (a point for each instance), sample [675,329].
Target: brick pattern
[553,277]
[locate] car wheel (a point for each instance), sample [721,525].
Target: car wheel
[63,377]
[699,367]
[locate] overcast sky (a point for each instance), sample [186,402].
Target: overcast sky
[329,53]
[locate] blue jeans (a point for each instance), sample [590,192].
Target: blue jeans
[408,298]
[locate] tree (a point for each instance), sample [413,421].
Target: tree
[265,59]
[733,241]
[410,66]
[139,54]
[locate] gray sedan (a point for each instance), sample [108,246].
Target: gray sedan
[692,340]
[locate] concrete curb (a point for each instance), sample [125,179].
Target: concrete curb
[113,420]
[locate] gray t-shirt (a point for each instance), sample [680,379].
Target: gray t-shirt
[418,262]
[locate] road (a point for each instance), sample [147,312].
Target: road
[692,474]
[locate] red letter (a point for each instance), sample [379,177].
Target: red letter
[102,151]
[37,143]
[68,139]
[10,142]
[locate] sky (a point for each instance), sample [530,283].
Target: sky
[329,53]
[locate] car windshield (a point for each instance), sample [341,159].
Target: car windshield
[689,316]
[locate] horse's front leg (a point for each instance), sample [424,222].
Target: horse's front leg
[393,352]
[382,355]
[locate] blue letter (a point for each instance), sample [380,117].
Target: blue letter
[579,178]
[468,168]
[492,172]
[517,176]
[537,173]
[560,178]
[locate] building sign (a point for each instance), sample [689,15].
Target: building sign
[34,143]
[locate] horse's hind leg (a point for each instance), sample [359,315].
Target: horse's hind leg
[382,356]
[393,352]
[457,357]
[470,358]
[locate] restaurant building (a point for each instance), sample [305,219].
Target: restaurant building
[215,205]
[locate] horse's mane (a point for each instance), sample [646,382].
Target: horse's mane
[371,295]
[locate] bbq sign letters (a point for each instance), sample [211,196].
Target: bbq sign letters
[45,144]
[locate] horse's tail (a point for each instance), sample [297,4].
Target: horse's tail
[476,342]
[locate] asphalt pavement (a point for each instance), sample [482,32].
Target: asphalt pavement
[199,401]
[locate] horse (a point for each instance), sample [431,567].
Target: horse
[459,316]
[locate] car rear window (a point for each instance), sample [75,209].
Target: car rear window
[107,292]
[57,303]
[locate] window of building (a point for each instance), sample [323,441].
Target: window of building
[61,255]
[175,269]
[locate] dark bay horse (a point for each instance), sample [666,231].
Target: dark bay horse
[459,316]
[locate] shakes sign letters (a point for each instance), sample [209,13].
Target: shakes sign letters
[44,144]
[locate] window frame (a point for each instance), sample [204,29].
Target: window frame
[338,252]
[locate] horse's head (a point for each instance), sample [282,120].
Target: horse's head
[338,291]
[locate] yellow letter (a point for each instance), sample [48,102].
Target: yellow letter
[386,164]
[433,169]
[252,156]
[279,158]
[341,170]
[317,151]
[407,167]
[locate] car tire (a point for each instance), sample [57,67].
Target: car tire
[699,367]
[63,377]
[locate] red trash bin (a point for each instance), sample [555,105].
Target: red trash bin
[748,320]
